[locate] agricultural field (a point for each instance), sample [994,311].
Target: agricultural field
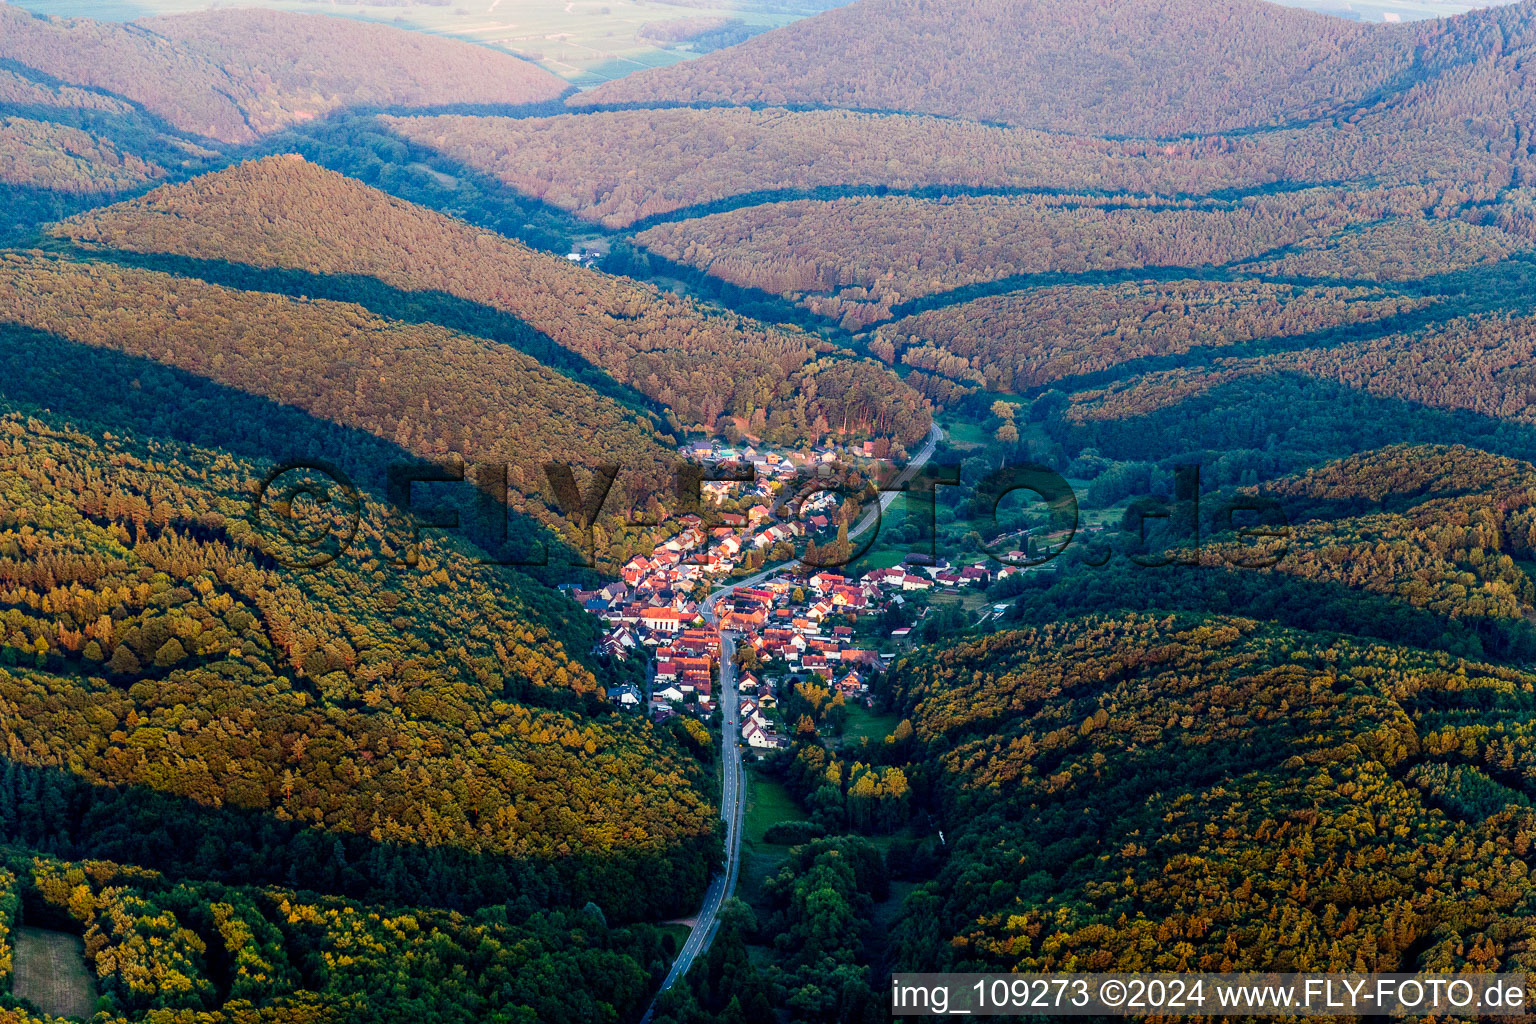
[51,973]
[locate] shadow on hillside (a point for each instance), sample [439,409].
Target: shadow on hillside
[362,148]
[132,128]
[1472,290]
[144,399]
[1205,356]
[1319,606]
[642,265]
[25,208]
[832,193]
[1506,287]
[1259,427]
[416,307]
[63,814]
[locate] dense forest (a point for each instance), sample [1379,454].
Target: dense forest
[701,365]
[232,76]
[1138,746]
[862,258]
[1028,338]
[1397,544]
[1444,98]
[619,167]
[1480,364]
[43,154]
[1067,64]
[1416,144]
[700,35]
[92,109]
[166,949]
[429,392]
[1157,792]
[216,711]
[1395,250]
[27,90]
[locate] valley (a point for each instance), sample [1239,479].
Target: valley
[637,511]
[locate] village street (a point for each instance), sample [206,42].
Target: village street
[733,793]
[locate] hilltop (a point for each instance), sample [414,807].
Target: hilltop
[233,76]
[429,391]
[700,364]
[1126,67]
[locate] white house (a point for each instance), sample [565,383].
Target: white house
[758,737]
[662,620]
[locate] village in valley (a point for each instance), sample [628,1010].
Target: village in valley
[794,622]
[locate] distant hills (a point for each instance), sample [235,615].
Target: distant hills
[1393,10]
[233,76]
[1119,68]
[1125,67]
[700,365]
[93,109]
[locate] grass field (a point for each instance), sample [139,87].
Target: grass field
[863,722]
[965,433]
[51,972]
[971,599]
[768,803]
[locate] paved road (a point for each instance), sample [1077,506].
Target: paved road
[733,798]
[870,518]
[733,805]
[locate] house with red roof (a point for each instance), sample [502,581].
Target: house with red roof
[848,597]
[976,574]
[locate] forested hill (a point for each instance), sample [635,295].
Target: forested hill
[1307,763]
[90,110]
[1171,793]
[423,391]
[232,76]
[418,736]
[701,365]
[1124,67]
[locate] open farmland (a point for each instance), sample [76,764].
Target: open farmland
[51,972]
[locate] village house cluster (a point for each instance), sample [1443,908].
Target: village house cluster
[798,622]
